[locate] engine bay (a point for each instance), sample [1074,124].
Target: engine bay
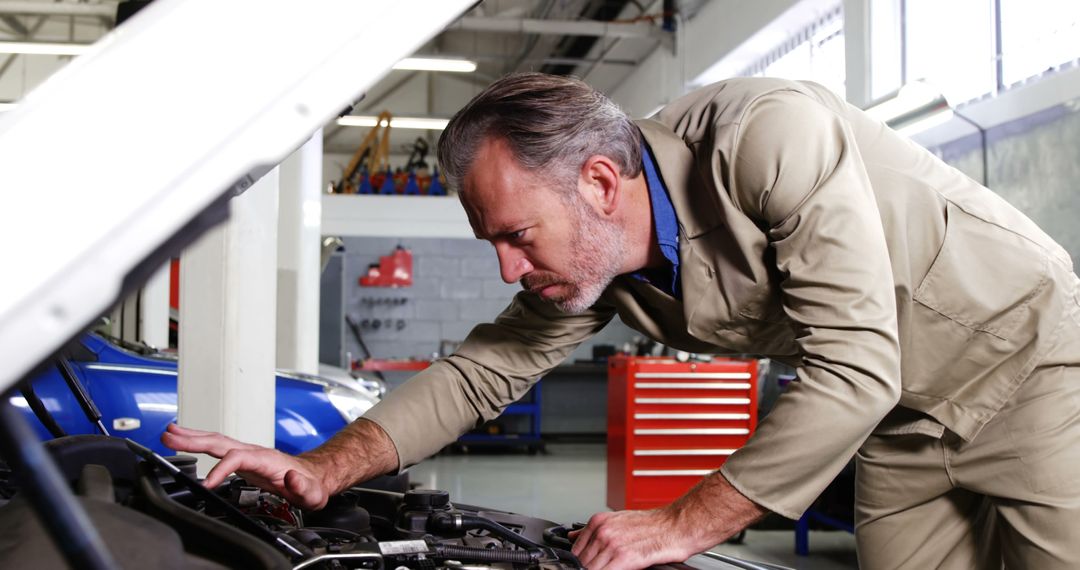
[152,512]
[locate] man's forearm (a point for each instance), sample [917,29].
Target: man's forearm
[359,452]
[713,511]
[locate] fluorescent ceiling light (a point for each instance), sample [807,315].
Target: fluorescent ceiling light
[436,64]
[915,107]
[396,122]
[44,48]
[4,106]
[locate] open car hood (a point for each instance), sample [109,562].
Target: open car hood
[133,149]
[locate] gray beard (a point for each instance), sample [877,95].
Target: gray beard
[596,261]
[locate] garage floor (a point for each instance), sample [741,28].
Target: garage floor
[567,485]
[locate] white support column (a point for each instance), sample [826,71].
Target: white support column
[298,265]
[857,51]
[129,318]
[227,320]
[154,309]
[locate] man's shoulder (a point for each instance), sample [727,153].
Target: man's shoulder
[722,102]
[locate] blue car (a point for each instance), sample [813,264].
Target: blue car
[136,394]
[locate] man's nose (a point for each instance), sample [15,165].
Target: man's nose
[512,264]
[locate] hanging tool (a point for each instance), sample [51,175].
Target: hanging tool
[373,153]
[417,156]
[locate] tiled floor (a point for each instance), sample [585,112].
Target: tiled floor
[568,485]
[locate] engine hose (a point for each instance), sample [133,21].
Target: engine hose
[461,522]
[526,557]
[558,536]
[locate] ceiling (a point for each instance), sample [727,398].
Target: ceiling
[600,41]
[505,36]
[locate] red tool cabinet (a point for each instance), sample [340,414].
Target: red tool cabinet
[670,423]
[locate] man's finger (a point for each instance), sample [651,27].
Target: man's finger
[181,430]
[230,463]
[195,444]
[590,547]
[581,541]
[209,442]
[598,560]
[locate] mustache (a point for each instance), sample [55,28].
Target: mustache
[539,280]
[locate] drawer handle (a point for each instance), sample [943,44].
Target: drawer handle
[694,375]
[671,472]
[691,416]
[679,452]
[692,431]
[711,401]
[690,386]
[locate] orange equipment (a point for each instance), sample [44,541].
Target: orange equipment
[373,153]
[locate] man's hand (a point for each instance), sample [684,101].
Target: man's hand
[296,479]
[357,453]
[704,517]
[630,539]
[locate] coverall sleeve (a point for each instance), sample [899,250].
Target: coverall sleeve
[494,367]
[797,171]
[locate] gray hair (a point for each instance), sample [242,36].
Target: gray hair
[552,125]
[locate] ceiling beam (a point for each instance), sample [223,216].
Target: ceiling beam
[15,25]
[4,67]
[103,10]
[560,27]
[549,60]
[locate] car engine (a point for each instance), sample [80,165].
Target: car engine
[152,513]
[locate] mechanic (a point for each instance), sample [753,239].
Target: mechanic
[935,329]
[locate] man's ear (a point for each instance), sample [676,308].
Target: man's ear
[601,184]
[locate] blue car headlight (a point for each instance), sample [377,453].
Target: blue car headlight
[349,403]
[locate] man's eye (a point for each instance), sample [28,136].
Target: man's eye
[517,235]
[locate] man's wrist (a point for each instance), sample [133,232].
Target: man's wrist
[711,512]
[357,453]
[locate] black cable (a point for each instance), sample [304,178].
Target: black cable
[49,494]
[524,557]
[40,411]
[79,391]
[461,522]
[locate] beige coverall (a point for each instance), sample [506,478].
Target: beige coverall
[898,287]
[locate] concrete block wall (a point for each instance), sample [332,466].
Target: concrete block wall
[1034,163]
[456,285]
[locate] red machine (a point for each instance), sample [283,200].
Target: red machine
[394,270]
[670,423]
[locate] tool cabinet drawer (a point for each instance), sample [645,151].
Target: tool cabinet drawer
[671,423]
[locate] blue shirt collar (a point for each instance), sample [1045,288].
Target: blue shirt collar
[667,229]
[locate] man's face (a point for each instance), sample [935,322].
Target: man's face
[549,239]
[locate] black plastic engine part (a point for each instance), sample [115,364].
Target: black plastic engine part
[44,486]
[341,512]
[416,507]
[71,453]
[203,535]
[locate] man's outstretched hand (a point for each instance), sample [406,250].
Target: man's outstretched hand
[296,479]
[357,453]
